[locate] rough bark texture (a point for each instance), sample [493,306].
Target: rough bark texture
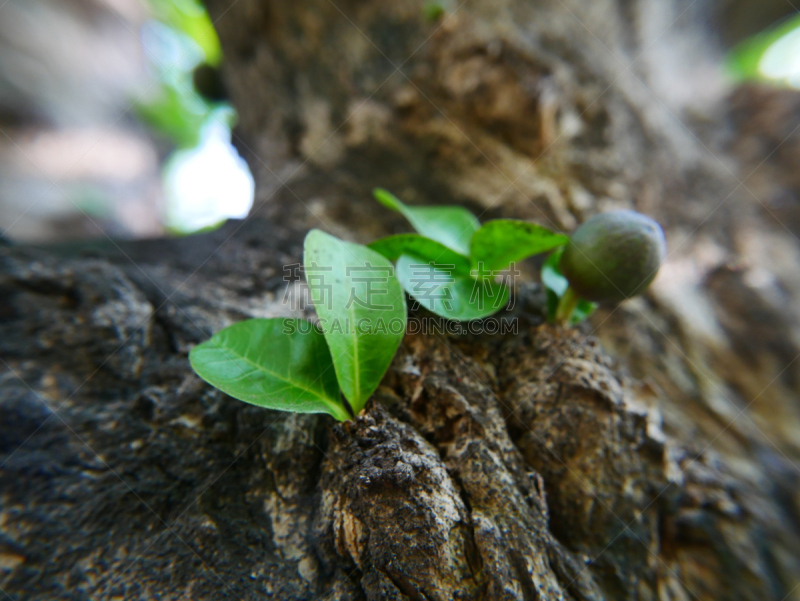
[649,455]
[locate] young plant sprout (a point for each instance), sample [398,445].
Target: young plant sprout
[449,267]
[611,257]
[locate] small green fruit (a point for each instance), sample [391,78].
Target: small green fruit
[613,256]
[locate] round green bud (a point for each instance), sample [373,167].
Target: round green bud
[613,256]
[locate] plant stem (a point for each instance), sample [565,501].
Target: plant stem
[566,306]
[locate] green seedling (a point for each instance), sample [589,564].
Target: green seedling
[332,367]
[463,258]
[335,365]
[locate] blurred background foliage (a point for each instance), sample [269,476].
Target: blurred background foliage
[179,39]
[772,55]
[114,121]
[205,181]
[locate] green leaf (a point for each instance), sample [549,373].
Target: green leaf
[556,285]
[392,247]
[583,310]
[361,307]
[450,225]
[447,293]
[503,241]
[551,274]
[439,279]
[279,364]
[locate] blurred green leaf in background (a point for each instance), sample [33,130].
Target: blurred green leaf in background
[190,18]
[176,41]
[772,55]
[205,181]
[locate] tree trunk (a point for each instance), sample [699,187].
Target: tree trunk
[649,454]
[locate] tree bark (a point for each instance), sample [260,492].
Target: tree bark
[650,454]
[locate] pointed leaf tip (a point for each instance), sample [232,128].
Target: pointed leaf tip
[361,308]
[450,225]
